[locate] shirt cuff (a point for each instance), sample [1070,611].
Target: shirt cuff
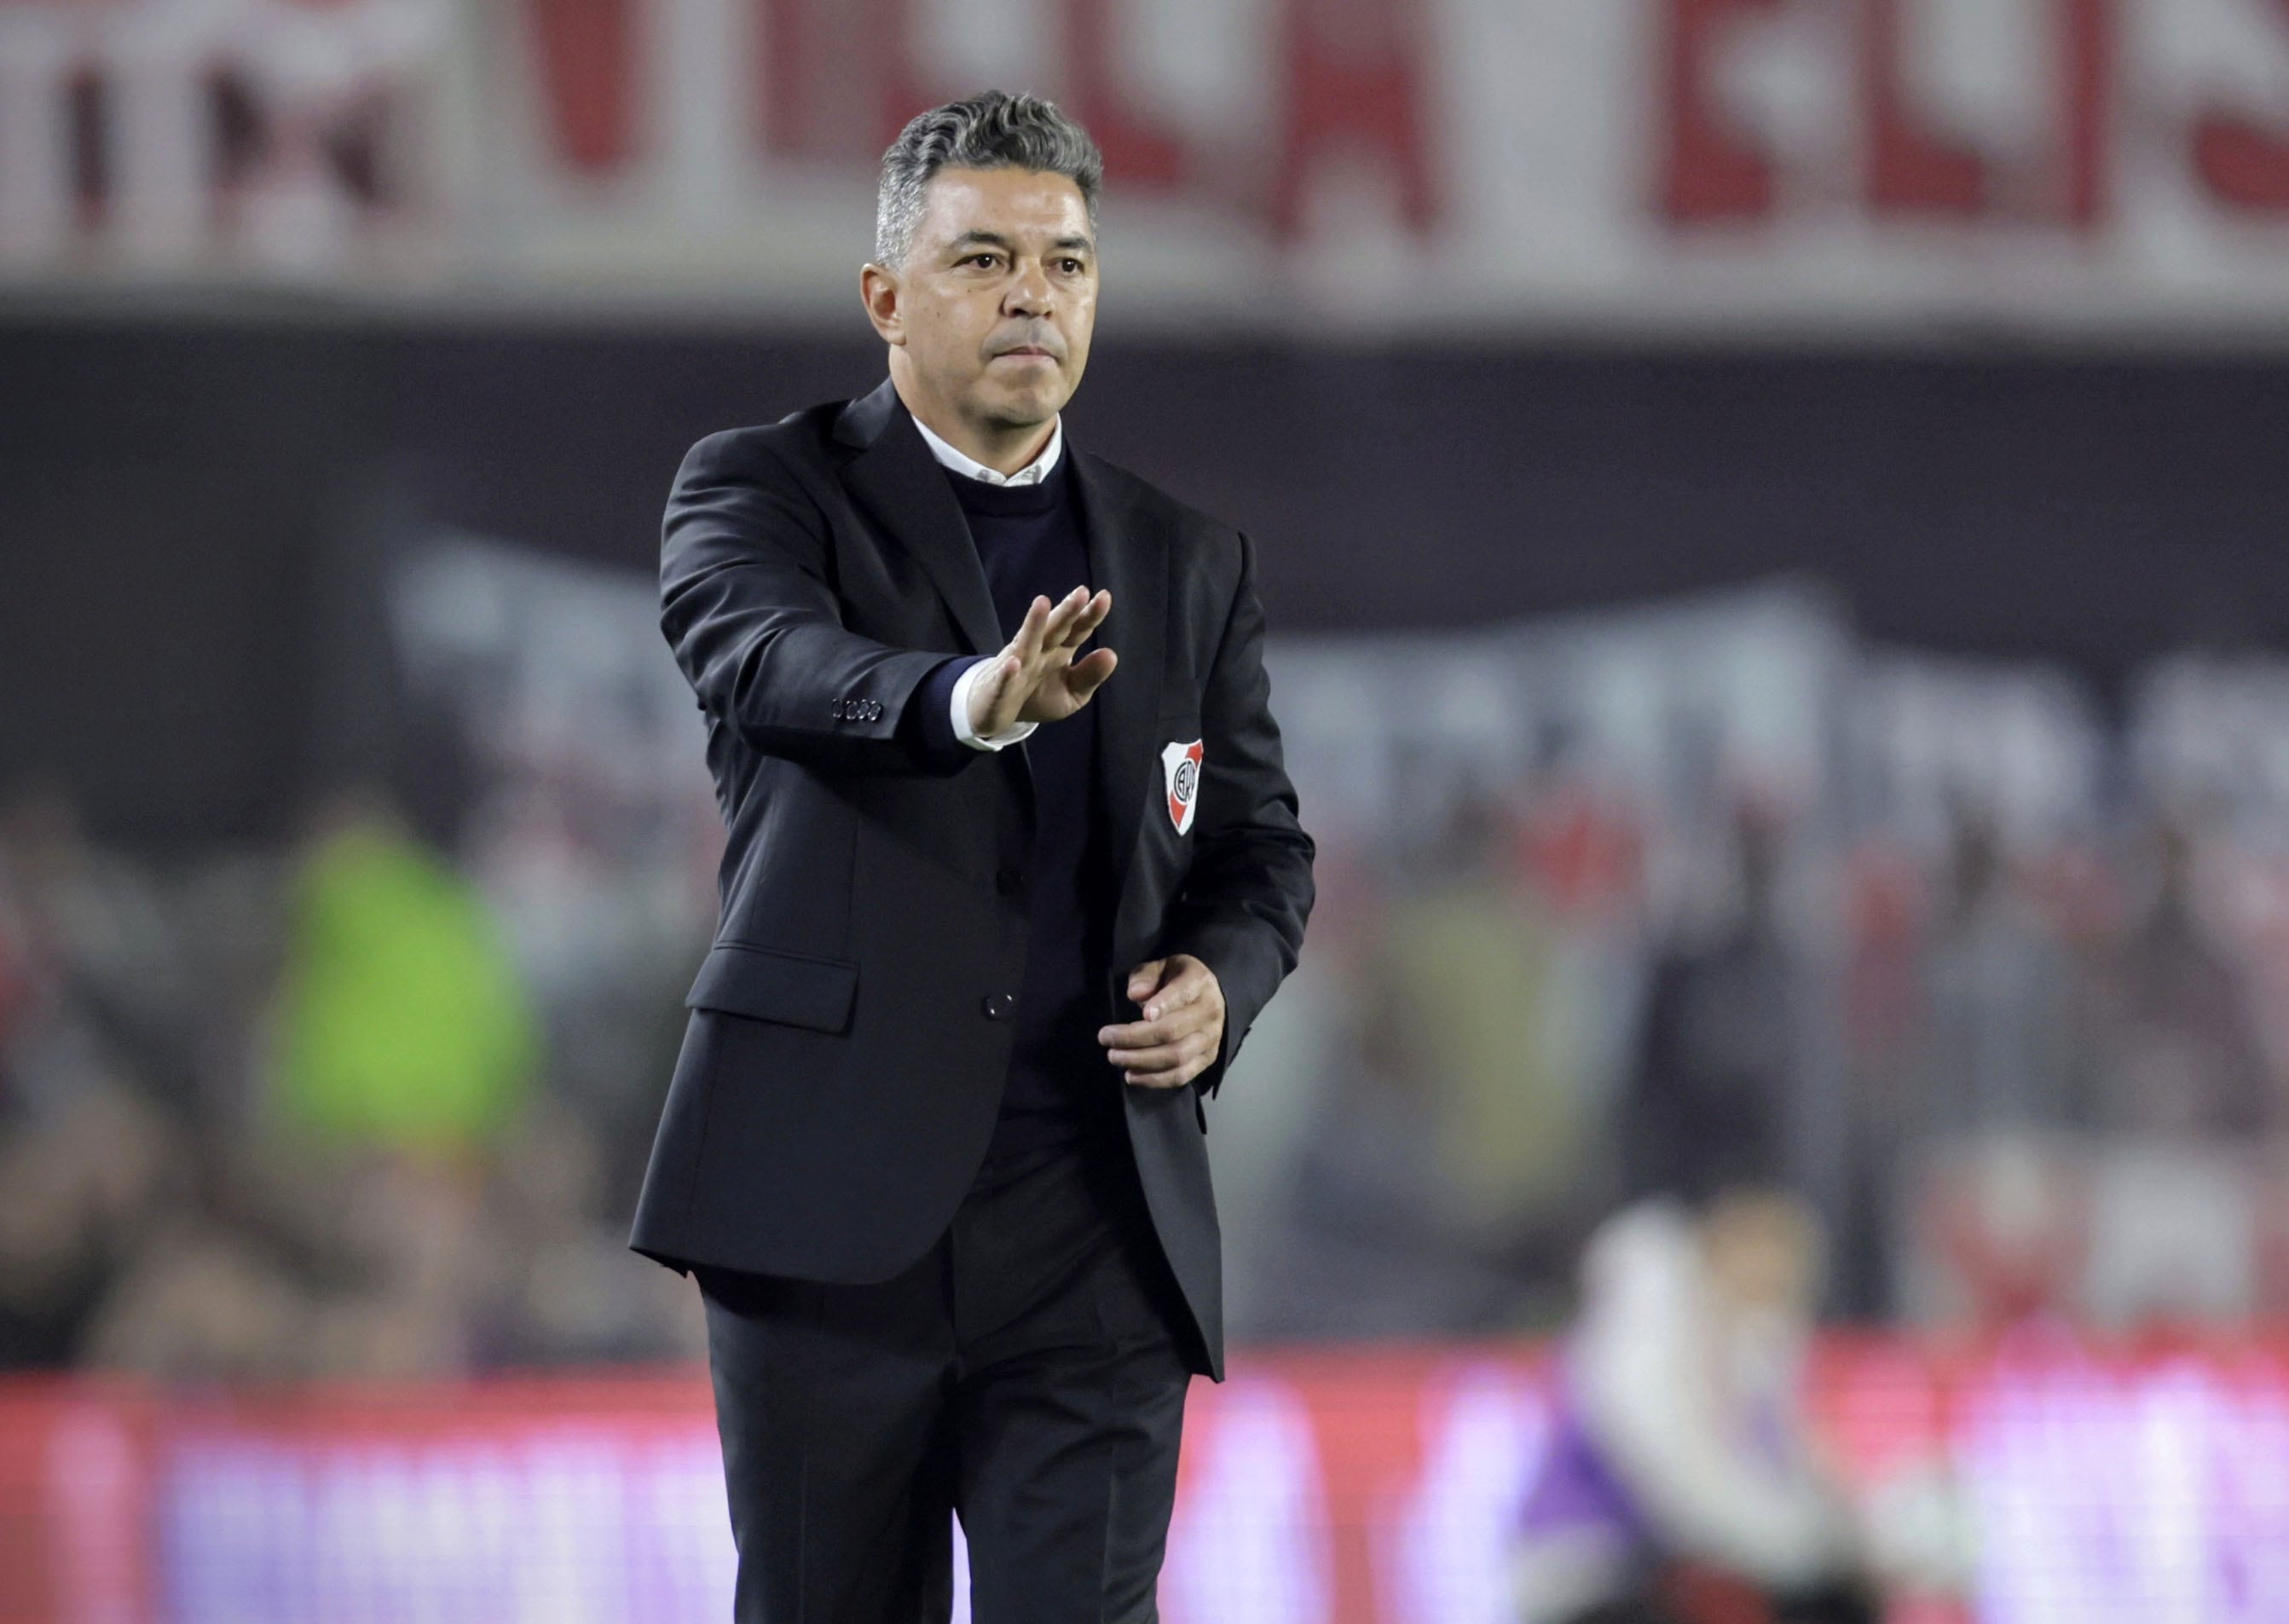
[969,735]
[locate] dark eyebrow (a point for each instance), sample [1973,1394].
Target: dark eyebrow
[994,239]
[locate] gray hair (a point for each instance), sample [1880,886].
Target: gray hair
[991,130]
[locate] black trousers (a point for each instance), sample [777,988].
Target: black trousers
[1026,1374]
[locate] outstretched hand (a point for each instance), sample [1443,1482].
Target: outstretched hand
[1182,1029]
[1037,677]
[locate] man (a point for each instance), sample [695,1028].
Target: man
[998,908]
[1682,1483]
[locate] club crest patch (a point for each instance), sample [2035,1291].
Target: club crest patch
[1180,765]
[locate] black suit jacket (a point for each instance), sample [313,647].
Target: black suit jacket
[850,1028]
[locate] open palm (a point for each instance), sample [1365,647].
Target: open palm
[1042,676]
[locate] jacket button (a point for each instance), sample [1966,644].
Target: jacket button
[835,710]
[1007,880]
[1000,1006]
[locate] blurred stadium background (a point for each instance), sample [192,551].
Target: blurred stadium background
[1771,513]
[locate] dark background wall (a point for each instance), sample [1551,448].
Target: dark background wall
[191,511]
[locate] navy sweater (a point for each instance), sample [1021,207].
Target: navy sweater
[1060,1086]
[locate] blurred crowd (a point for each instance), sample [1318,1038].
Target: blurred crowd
[363,1107]
[2005,1081]
[291,1113]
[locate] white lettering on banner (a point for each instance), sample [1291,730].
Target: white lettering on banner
[576,1523]
[1454,1554]
[2107,1501]
[1250,1538]
[1393,162]
[1938,131]
[1340,1490]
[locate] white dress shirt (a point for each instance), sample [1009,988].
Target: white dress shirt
[1033,473]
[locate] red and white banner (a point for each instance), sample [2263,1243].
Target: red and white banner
[1789,164]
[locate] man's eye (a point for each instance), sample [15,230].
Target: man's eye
[981,259]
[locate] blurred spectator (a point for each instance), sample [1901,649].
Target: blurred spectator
[1436,1185]
[1376,1247]
[80,1188]
[1472,952]
[2184,1098]
[1884,1023]
[91,978]
[1681,1486]
[401,1021]
[2179,1053]
[89,990]
[1991,1055]
[1264,1129]
[197,1303]
[396,1199]
[565,1287]
[1999,1048]
[1723,1069]
[1996,1232]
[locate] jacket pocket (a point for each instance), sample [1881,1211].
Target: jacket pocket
[766,984]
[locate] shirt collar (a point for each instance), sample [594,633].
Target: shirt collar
[1033,473]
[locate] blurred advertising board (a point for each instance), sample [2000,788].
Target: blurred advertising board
[1326,1487]
[1782,164]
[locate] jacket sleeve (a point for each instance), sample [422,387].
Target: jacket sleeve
[746,605]
[1249,889]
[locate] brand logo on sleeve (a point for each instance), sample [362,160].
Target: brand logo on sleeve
[1180,765]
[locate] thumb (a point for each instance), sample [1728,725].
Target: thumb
[1144,978]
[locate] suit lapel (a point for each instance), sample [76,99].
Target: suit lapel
[899,484]
[1131,560]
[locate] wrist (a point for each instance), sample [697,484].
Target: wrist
[978,707]
[965,702]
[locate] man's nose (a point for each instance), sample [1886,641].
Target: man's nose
[1029,290]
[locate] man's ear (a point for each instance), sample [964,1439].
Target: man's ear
[880,291]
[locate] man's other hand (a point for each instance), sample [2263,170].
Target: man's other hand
[1036,678]
[1182,1029]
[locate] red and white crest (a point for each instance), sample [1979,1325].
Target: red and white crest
[1180,765]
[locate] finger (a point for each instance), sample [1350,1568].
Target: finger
[1159,1057]
[1188,981]
[1167,1028]
[1085,676]
[1177,1078]
[1182,992]
[1027,644]
[1176,1063]
[1140,1035]
[1056,632]
[1088,617]
[1144,978]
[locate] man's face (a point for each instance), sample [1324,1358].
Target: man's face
[1763,1250]
[993,307]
